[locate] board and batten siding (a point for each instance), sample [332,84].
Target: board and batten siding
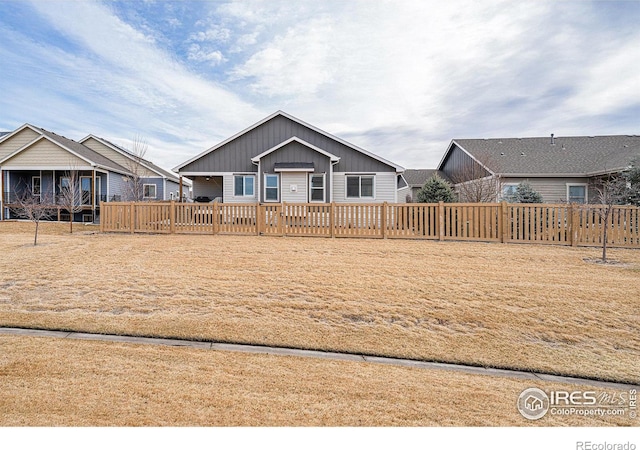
[228,190]
[460,167]
[45,154]
[384,188]
[235,155]
[290,179]
[553,190]
[17,141]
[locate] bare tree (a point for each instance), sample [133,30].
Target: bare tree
[34,207]
[474,183]
[617,189]
[71,197]
[136,169]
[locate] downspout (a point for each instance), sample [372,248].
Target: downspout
[333,163]
[259,177]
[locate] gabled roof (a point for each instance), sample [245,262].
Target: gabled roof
[146,163]
[417,177]
[545,156]
[290,117]
[73,147]
[333,158]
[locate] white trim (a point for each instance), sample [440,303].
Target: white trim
[90,190]
[208,174]
[290,117]
[164,188]
[243,175]
[586,191]
[333,157]
[155,192]
[39,177]
[48,168]
[44,136]
[115,148]
[439,166]
[360,174]
[279,187]
[18,130]
[310,187]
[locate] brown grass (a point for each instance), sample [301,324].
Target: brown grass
[55,382]
[521,306]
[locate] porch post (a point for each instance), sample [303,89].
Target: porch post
[93,196]
[180,189]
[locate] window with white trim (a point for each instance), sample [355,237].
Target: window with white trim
[243,185]
[149,190]
[577,193]
[35,186]
[316,187]
[271,187]
[360,186]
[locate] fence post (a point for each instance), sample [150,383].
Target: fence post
[216,217]
[383,220]
[172,217]
[258,221]
[281,224]
[132,217]
[441,221]
[574,224]
[504,223]
[101,217]
[332,220]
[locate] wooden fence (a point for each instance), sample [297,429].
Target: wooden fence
[489,222]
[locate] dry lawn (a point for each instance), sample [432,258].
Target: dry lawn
[55,382]
[517,306]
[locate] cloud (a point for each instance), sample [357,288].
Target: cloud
[196,53]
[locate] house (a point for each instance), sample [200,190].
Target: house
[561,169]
[415,179]
[157,183]
[36,161]
[283,159]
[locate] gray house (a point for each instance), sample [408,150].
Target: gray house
[561,169]
[415,179]
[282,158]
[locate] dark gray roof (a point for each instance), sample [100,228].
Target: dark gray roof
[417,177]
[576,155]
[84,151]
[4,133]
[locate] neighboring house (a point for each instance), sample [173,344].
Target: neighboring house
[38,161]
[561,169]
[157,183]
[415,179]
[282,158]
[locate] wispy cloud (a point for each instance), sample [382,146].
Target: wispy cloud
[399,78]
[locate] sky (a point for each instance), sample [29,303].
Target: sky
[398,78]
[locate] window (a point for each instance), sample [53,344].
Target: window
[85,190]
[577,193]
[243,186]
[508,191]
[316,188]
[271,187]
[35,186]
[149,191]
[360,186]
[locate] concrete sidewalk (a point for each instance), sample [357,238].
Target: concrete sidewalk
[317,354]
